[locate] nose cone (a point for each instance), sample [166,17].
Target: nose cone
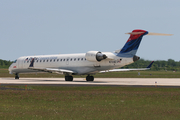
[10,69]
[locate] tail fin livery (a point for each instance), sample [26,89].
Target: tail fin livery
[132,45]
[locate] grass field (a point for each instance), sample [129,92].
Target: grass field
[130,74]
[92,103]
[52,102]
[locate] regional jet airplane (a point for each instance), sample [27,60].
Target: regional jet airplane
[85,63]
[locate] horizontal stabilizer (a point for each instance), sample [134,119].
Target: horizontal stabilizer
[149,33]
[161,34]
[134,33]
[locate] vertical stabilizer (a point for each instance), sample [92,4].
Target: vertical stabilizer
[132,44]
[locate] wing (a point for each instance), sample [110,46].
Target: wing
[131,69]
[52,70]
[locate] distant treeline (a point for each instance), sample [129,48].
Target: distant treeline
[169,65]
[5,64]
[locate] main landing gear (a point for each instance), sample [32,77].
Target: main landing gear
[16,76]
[89,78]
[70,78]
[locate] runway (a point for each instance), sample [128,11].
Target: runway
[97,81]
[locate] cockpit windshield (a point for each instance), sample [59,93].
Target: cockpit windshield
[15,61]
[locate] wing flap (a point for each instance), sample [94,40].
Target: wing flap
[52,70]
[60,70]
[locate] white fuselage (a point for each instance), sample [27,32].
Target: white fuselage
[73,62]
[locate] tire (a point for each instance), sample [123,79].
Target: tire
[16,76]
[89,78]
[68,78]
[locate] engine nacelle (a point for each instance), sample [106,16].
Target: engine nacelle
[95,56]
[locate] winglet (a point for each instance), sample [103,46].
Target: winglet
[149,66]
[32,63]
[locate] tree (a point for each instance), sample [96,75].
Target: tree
[5,64]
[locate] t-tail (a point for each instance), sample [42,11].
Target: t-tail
[132,44]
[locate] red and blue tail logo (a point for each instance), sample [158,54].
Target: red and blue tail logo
[132,45]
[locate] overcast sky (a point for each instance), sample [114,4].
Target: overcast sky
[42,27]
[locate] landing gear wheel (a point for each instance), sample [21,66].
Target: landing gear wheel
[16,76]
[69,78]
[89,78]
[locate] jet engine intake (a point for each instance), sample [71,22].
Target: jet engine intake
[95,56]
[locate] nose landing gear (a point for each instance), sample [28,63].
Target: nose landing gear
[16,76]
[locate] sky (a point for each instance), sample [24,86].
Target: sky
[43,27]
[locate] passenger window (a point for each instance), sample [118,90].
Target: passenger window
[71,59]
[43,60]
[54,60]
[37,61]
[40,60]
[64,59]
[74,59]
[61,59]
[50,60]
[78,59]
[47,60]
[67,59]
[81,58]
[57,60]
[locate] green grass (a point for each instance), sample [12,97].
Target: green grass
[53,102]
[97,103]
[143,74]
[129,74]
